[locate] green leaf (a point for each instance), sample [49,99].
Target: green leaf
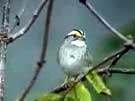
[78,93]
[98,83]
[50,97]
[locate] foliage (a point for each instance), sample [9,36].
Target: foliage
[98,83]
[78,93]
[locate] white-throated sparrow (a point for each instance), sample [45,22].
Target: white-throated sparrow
[73,55]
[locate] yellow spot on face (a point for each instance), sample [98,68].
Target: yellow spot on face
[75,33]
[78,34]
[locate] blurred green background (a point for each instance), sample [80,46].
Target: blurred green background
[23,54]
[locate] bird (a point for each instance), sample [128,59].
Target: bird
[74,56]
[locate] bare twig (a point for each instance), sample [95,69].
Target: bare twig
[116,70]
[115,60]
[42,56]
[111,57]
[30,22]
[5,18]
[102,20]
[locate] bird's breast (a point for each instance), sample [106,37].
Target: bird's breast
[71,57]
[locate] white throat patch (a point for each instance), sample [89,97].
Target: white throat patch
[78,43]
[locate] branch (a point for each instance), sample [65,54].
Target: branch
[102,20]
[3,46]
[3,49]
[111,57]
[116,70]
[5,17]
[92,10]
[29,24]
[115,60]
[42,56]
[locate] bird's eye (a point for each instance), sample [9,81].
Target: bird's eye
[75,36]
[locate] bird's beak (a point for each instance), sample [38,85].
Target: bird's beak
[83,38]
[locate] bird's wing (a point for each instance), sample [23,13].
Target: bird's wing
[88,58]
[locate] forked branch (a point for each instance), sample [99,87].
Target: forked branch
[42,56]
[22,31]
[3,46]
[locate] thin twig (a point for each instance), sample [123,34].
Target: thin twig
[111,57]
[116,70]
[5,17]
[118,57]
[42,56]
[30,22]
[102,20]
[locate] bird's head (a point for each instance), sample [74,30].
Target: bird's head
[76,34]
